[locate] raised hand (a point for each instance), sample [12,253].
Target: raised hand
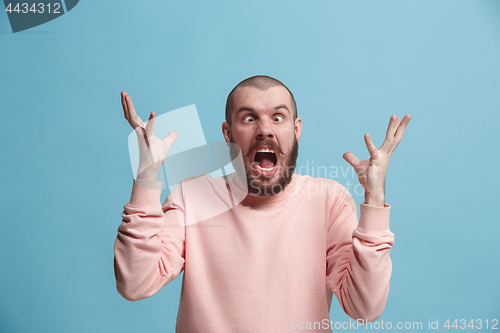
[371,172]
[152,151]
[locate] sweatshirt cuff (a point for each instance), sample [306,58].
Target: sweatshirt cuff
[146,194]
[374,220]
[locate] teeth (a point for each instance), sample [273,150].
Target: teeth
[264,169]
[265,150]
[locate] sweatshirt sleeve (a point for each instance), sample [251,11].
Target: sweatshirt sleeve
[149,247]
[359,266]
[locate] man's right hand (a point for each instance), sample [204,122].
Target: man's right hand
[152,151]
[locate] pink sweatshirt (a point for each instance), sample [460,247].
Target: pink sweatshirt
[267,264]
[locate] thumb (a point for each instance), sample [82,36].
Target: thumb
[351,159]
[170,138]
[151,124]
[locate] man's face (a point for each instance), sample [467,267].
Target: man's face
[264,129]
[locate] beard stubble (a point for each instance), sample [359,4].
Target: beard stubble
[286,171]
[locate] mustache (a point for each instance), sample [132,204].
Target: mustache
[268,143]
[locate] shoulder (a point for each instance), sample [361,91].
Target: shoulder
[320,186]
[202,191]
[329,191]
[203,182]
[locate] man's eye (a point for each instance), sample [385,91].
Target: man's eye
[248,119]
[278,118]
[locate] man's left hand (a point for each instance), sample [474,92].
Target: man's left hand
[371,172]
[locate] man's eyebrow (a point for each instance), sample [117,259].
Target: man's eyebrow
[282,106]
[247,108]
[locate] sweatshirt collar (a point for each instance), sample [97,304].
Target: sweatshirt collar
[239,190]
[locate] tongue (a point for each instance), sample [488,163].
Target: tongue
[264,160]
[266,163]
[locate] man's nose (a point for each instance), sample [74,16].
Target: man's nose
[264,131]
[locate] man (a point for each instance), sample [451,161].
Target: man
[272,262]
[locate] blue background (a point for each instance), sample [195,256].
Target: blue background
[351,64]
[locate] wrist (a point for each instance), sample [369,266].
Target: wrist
[375,199]
[148,174]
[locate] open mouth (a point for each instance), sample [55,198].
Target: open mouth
[265,159]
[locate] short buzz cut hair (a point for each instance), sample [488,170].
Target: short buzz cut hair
[261,82]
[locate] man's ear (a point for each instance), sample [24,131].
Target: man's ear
[298,128]
[226,131]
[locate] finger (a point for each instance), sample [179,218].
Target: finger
[401,128]
[171,138]
[371,147]
[151,124]
[351,159]
[389,136]
[124,105]
[398,122]
[134,119]
[391,128]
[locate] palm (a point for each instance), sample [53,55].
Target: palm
[152,151]
[371,172]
